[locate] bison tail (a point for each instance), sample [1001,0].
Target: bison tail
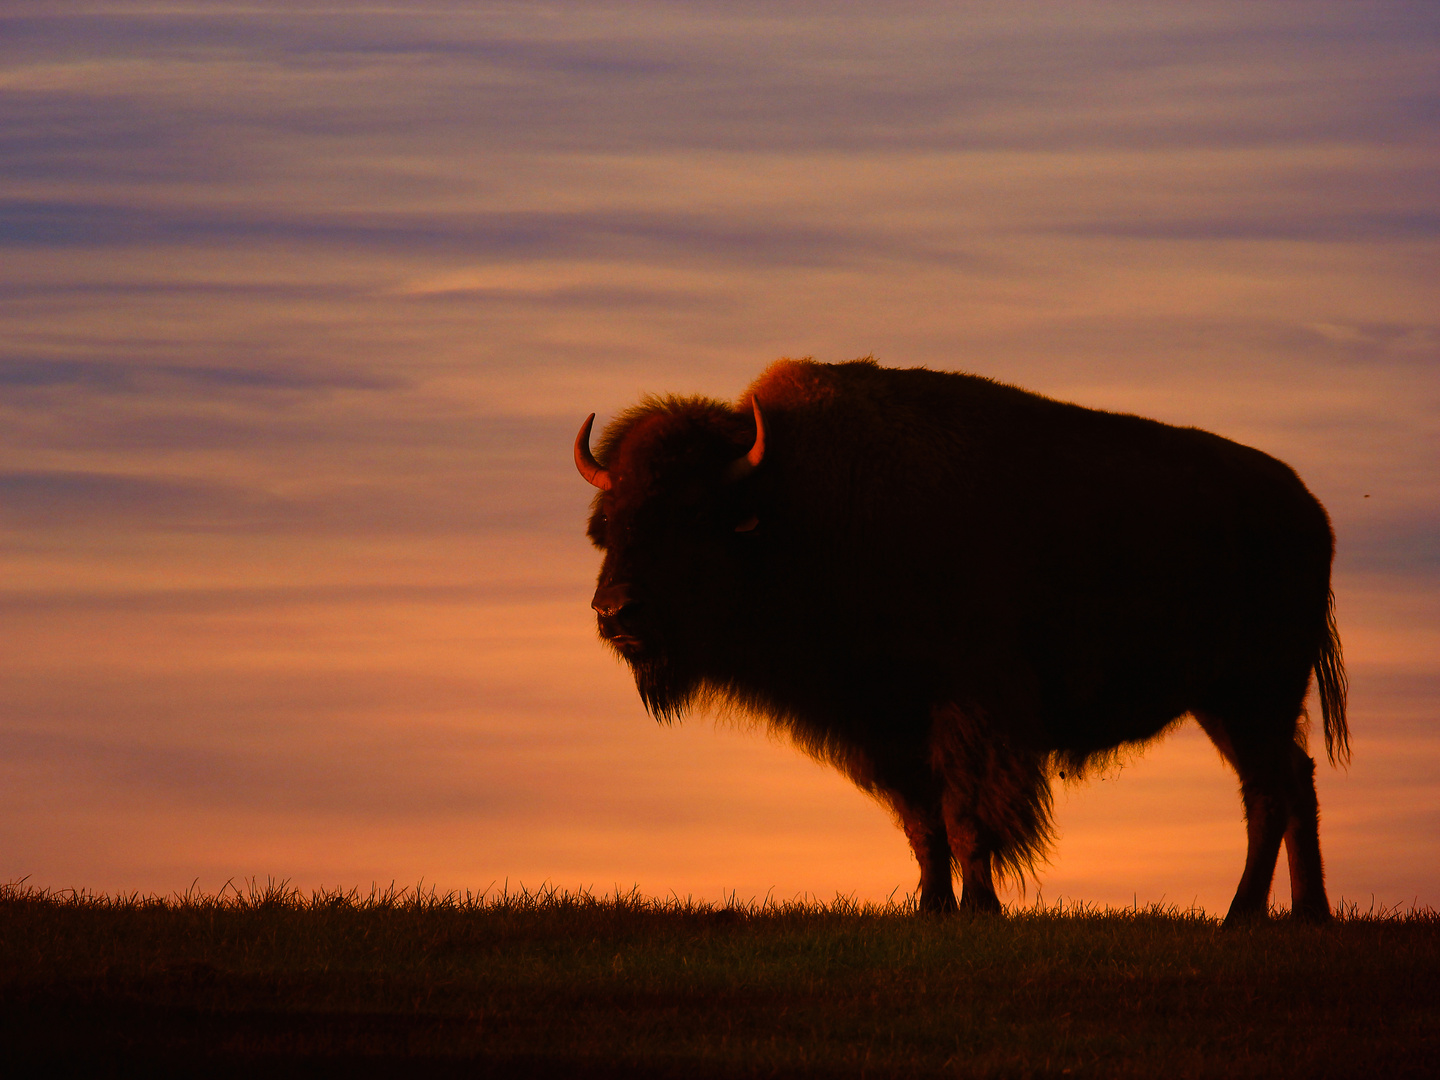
[1333,686]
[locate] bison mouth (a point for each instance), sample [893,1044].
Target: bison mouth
[620,637]
[627,645]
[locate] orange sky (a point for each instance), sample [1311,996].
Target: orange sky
[299,314]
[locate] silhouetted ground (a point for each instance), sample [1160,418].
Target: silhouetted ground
[553,984]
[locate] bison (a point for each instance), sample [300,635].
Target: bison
[952,589]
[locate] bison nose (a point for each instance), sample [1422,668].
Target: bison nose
[617,611]
[610,600]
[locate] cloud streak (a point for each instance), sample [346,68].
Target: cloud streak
[595,77]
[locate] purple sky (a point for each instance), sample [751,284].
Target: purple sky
[300,308]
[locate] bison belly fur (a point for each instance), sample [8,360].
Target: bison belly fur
[950,589]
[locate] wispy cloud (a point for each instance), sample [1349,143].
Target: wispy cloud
[1360,226]
[141,377]
[516,234]
[75,499]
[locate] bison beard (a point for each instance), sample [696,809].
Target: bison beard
[951,589]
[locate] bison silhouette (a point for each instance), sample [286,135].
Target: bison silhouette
[951,589]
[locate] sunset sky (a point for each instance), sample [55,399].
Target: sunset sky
[302,305]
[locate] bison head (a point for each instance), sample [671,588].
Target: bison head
[678,519]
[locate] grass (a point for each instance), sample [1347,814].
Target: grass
[553,983]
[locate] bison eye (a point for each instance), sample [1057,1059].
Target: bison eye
[748,525]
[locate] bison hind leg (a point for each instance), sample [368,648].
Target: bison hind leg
[1302,843]
[997,803]
[1277,786]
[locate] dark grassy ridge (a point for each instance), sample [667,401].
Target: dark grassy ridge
[560,984]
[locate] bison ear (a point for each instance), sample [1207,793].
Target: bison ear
[744,466]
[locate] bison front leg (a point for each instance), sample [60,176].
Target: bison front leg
[976,862]
[925,829]
[997,795]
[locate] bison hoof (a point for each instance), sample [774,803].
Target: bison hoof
[988,905]
[1316,916]
[938,905]
[1244,916]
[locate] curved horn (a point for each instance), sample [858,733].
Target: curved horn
[585,461]
[743,467]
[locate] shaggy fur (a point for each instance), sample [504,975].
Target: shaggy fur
[949,588]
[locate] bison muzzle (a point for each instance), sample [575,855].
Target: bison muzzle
[952,589]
